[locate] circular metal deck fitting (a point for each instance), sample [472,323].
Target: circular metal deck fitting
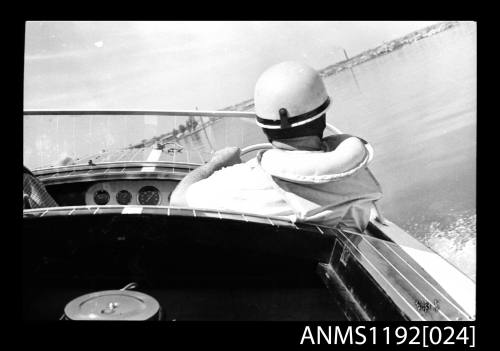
[113,305]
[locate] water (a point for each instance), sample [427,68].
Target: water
[416,106]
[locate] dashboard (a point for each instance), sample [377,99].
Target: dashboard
[130,192]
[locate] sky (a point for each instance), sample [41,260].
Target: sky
[179,65]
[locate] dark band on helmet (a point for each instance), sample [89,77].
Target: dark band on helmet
[314,128]
[296,119]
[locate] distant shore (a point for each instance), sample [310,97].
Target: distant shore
[383,49]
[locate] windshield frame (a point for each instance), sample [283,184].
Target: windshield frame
[213,115]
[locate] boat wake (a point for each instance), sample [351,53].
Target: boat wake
[455,240]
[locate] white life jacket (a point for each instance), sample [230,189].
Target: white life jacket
[314,167]
[331,188]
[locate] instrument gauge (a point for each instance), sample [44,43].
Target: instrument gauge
[123,197]
[149,195]
[101,197]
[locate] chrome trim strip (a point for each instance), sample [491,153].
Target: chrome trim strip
[81,167]
[404,277]
[247,217]
[194,113]
[431,285]
[383,277]
[111,175]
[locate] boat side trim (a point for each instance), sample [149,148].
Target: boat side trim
[458,285]
[411,307]
[438,291]
[405,278]
[174,210]
[461,288]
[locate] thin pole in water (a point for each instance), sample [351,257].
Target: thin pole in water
[352,72]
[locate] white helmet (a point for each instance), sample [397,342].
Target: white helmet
[288,95]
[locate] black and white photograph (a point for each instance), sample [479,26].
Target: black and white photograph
[250,171]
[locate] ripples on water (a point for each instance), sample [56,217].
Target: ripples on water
[453,238]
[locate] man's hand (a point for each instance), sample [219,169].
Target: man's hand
[226,157]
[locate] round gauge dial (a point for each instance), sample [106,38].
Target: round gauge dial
[123,197]
[149,195]
[101,197]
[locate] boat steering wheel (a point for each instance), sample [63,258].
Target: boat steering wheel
[255,147]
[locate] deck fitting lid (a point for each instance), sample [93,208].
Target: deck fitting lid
[112,305]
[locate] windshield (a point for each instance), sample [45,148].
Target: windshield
[54,139]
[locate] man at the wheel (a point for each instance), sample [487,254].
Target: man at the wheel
[305,177]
